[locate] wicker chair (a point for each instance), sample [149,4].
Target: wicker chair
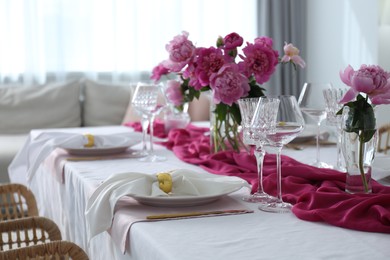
[51,250]
[27,231]
[384,138]
[16,201]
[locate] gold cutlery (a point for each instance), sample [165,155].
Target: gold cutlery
[198,213]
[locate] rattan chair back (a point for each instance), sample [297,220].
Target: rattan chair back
[52,250]
[384,139]
[16,201]
[27,231]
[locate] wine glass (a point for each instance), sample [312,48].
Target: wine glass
[312,104]
[289,123]
[332,98]
[247,109]
[263,116]
[145,102]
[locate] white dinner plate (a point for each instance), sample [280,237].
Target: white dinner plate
[181,201]
[96,151]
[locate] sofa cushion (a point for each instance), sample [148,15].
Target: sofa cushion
[54,105]
[105,103]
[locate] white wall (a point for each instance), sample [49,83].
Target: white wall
[340,32]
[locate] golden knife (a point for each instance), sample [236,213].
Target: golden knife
[199,213]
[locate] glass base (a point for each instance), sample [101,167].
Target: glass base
[276,207]
[259,197]
[152,158]
[322,165]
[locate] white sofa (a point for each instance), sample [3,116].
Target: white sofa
[76,103]
[72,104]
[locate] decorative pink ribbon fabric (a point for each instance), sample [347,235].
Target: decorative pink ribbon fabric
[317,194]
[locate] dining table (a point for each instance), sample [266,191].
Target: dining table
[63,185]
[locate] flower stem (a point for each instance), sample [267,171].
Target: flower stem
[361,166]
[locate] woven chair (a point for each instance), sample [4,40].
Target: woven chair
[384,138]
[52,250]
[16,201]
[27,231]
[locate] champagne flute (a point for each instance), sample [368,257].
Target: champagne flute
[288,125]
[312,104]
[145,102]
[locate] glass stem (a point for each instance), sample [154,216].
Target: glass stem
[279,174]
[151,132]
[338,159]
[145,125]
[259,153]
[318,143]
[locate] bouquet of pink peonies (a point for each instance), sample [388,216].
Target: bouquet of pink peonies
[200,69]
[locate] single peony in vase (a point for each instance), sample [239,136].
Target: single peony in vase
[359,123]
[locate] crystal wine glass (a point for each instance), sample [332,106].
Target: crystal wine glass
[289,123]
[312,104]
[264,115]
[332,98]
[145,102]
[247,109]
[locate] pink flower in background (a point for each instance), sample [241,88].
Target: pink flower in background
[260,60]
[229,84]
[180,50]
[291,54]
[232,41]
[173,92]
[159,71]
[371,80]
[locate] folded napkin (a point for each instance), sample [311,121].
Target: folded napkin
[100,206]
[35,150]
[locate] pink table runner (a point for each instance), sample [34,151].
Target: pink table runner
[317,194]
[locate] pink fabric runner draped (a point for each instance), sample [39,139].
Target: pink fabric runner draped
[317,194]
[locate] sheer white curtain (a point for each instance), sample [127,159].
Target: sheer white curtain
[43,40]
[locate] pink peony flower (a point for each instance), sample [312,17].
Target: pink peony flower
[291,53]
[371,80]
[208,61]
[180,51]
[158,71]
[232,41]
[174,93]
[229,84]
[260,59]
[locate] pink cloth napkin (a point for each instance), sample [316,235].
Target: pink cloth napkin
[317,194]
[128,211]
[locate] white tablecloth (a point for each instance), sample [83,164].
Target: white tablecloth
[259,235]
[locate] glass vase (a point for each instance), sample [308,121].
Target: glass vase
[225,130]
[358,155]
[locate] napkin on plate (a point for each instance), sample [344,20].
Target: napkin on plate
[100,206]
[35,150]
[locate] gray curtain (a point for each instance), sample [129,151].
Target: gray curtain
[284,21]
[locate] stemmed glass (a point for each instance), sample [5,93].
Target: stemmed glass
[312,104]
[145,102]
[289,123]
[252,128]
[332,98]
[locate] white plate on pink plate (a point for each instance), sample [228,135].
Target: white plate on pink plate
[181,201]
[96,150]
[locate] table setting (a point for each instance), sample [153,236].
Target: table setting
[223,188]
